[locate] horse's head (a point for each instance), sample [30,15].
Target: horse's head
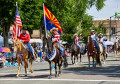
[90,43]
[89,39]
[17,44]
[49,44]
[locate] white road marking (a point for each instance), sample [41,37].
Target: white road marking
[64,80]
[117,71]
[84,73]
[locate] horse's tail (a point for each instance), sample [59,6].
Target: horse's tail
[98,59]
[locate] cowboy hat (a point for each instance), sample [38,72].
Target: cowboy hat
[55,29]
[75,34]
[92,30]
[24,28]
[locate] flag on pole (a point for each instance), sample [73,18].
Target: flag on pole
[50,21]
[17,24]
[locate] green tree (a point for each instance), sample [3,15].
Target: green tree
[7,13]
[71,12]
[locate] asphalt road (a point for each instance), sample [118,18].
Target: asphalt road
[108,73]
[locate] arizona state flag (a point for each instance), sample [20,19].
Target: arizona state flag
[50,21]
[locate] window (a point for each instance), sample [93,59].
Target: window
[113,30]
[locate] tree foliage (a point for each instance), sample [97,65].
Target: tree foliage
[68,12]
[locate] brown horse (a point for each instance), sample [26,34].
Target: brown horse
[116,48]
[53,47]
[20,49]
[91,51]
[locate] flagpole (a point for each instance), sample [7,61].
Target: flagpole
[44,22]
[16,25]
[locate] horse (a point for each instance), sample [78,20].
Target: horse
[116,48]
[53,47]
[75,50]
[91,51]
[22,54]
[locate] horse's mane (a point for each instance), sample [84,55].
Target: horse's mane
[21,46]
[90,43]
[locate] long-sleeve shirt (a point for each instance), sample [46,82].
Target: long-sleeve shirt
[56,37]
[25,38]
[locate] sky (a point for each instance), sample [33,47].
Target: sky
[111,6]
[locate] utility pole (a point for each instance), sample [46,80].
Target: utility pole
[110,33]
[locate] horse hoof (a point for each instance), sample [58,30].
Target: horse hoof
[25,75]
[49,77]
[31,71]
[56,75]
[17,76]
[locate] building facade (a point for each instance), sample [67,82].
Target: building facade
[113,28]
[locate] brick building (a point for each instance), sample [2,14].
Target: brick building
[111,32]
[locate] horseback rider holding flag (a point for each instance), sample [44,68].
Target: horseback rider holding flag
[25,38]
[56,38]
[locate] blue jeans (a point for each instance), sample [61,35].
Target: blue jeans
[61,51]
[78,46]
[103,45]
[97,47]
[28,44]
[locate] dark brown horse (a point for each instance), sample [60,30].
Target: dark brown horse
[91,51]
[75,50]
[51,47]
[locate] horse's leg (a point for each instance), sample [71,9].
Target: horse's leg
[59,65]
[50,70]
[93,61]
[55,69]
[31,66]
[88,62]
[18,61]
[80,59]
[26,66]
[72,58]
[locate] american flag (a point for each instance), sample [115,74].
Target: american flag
[17,24]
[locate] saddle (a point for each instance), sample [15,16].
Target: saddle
[26,46]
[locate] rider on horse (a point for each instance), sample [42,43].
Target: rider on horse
[116,39]
[76,40]
[101,39]
[56,38]
[95,38]
[25,38]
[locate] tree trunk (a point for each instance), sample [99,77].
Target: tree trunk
[5,33]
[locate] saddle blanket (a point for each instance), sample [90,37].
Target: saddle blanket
[52,55]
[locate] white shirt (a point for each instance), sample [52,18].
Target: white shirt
[116,40]
[102,39]
[93,37]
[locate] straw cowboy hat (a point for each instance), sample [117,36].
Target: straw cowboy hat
[92,30]
[75,34]
[55,29]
